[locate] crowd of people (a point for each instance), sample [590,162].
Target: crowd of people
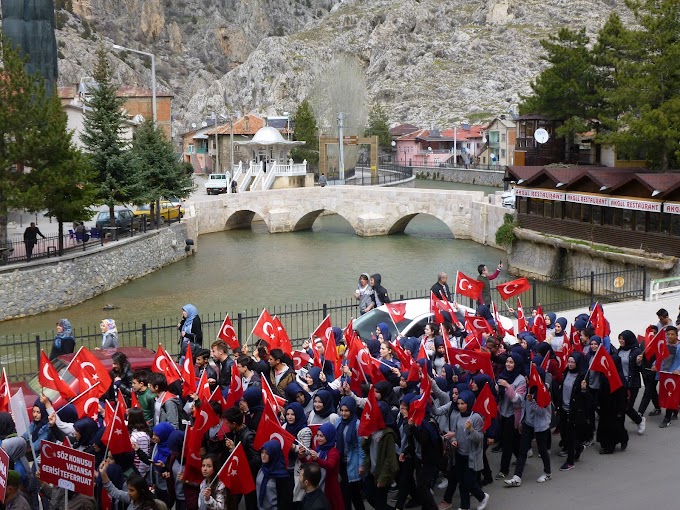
[406,462]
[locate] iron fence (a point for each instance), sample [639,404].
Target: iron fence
[387,173]
[19,354]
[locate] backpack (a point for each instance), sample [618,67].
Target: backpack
[183,417]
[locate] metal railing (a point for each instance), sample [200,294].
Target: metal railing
[361,175]
[19,353]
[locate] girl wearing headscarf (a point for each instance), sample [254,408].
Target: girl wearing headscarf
[327,456]
[351,454]
[511,390]
[556,340]
[273,484]
[631,359]
[535,424]
[109,334]
[252,406]
[479,381]
[159,459]
[575,400]
[439,359]
[85,430]
[428,453]
[406,454]
[190,329]
[296,393]
[175,482]
[64,341]
[296,424]
[380,461]
[595,383]
[324,409]
[467,437]
[39,429]
[611,428]
[390,367]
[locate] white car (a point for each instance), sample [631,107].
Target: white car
[416,317]
[508,198]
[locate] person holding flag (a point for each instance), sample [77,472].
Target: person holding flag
[670,363]
[348,444]
[512,389]
[630,354]
[328,457]
[650,394]
[574,404]
[485,278]
[212,496]
[280,374]
[274,487]
[380,463]
[612,405]
[242,435]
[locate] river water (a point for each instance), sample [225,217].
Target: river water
[247,269]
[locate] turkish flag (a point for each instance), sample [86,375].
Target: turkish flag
[539,327]
[235,388]
[472,343]
[88,369]
[275,402]
[542,395]
[203,388]
[669,391]
[397,311]
[499,325]
[367,365]
[521,320]
[188,373]
[227,333]
[435,309]
[652,344]
[164,364]
[472,361]
[513,288]
[134,401]
[600,324]
[300,359]
[602,362]
[661,352]
[405,359]
[264,328]
[354,366]
[4,393]
[324,331]
[48,377]
[205,418]
[87,403]
[414,373]
[468,286]
[486,406]
[109,412]
[121,402]
[235,474]
[575,337]
[192,446]
[270,429]
[282,340]
[116,435]
[217,396]
[445,306]
[331,353]
[371,418]
[417,409]
[477,325]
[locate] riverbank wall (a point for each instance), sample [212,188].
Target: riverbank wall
[461,175]
[54,283]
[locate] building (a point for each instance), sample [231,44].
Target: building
[501,139]
[75,121]
[222,141]
[195,147]
[138,103]
[425,147]
[531,153]
[627,207]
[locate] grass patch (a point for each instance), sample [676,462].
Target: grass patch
[598,247]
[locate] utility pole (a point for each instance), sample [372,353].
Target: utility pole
[455,139]
[341,163]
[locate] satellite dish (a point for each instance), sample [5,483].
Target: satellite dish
[138,119]
[193,125]
[204,124]
[541,135]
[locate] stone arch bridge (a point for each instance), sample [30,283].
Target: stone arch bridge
[370,211]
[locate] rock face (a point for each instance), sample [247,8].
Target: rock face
[427,61]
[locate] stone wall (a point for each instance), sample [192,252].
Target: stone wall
[487,217]
[51,284]
[461,175]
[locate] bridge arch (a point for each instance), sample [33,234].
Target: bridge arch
[242,218]
[306,221]
[400,225]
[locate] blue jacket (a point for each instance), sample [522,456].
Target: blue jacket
[354,455]
[670,363]
[45,433]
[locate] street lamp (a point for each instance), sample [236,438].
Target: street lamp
[153,74]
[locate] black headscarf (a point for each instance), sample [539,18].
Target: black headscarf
[630,340]
[37,425]
[7,427]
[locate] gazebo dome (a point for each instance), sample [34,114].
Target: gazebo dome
[268,136]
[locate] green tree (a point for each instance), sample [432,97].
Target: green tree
[155,162]
[103,139]
[307,131]
[33,136]
[378,125]
[644,65]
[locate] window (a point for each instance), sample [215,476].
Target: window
[654,221]
[190,149]
[665,227]
[597,215]
[640,221]
[493,136]
[627,219]
[503,153]
[675,225]
[502,137]
[557,209]
[536,207]
[523,205]
[548,210]
[585,213]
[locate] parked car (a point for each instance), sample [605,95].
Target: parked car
[416,317]
[508,198]
[139,358]
[216,184]
[124,218]
[169,212]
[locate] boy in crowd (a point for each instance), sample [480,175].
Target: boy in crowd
[670,364]
[166,405]
[310,478]
[145,397]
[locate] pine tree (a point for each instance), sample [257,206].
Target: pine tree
[307,131]
[378,125]
[103,139]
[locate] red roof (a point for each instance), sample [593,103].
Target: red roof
[403,129]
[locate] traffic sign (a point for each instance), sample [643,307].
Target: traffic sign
[67,468]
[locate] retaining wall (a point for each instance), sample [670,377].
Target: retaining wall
[461,175]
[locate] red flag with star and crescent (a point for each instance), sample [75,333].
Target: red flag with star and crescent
[188,373]
[270,429]
[602,362]
[164,364]
[600,324]
[203,387]
[192,447]
[477,325]
[656,346]
[446,306]
[227,333]
[324,331]
[4,393]
[513,288]
[435,309]
[87,403]
[116,435]
[235,473]
[48,377]
[539,327]
[405,359]
[371,418]
[397,311]
[669,391]
[521,320]
[235,388]
[264,328]
[472,361]
[300,359]
[535,381]
[88,369]
[282,339]
[205,418]
[485,405]
[468,286]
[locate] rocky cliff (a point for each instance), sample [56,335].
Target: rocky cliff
[427,61]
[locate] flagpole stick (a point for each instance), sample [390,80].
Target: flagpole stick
[108,442]
[382,363]
[226,463]
[252,330]
[395,325]
[74,357]
[83,393]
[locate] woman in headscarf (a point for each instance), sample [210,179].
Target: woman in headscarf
[631,359]
[611,428]
[385,392]
[296,424]
[595,381]
[85,430]
[252,406]
[557,338]
[428,452]
[439,359]
[327,456]
[477,384]
[406,450]
[159,459]
[389,366]
[296,393]
[324,409]
[511,391]
[468,439]
[64,341]
[39,429]
[575,400]
[109,334]
[175,482]
[351,454]
[121,375]
[380,461]
[273,483]
[190,329]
